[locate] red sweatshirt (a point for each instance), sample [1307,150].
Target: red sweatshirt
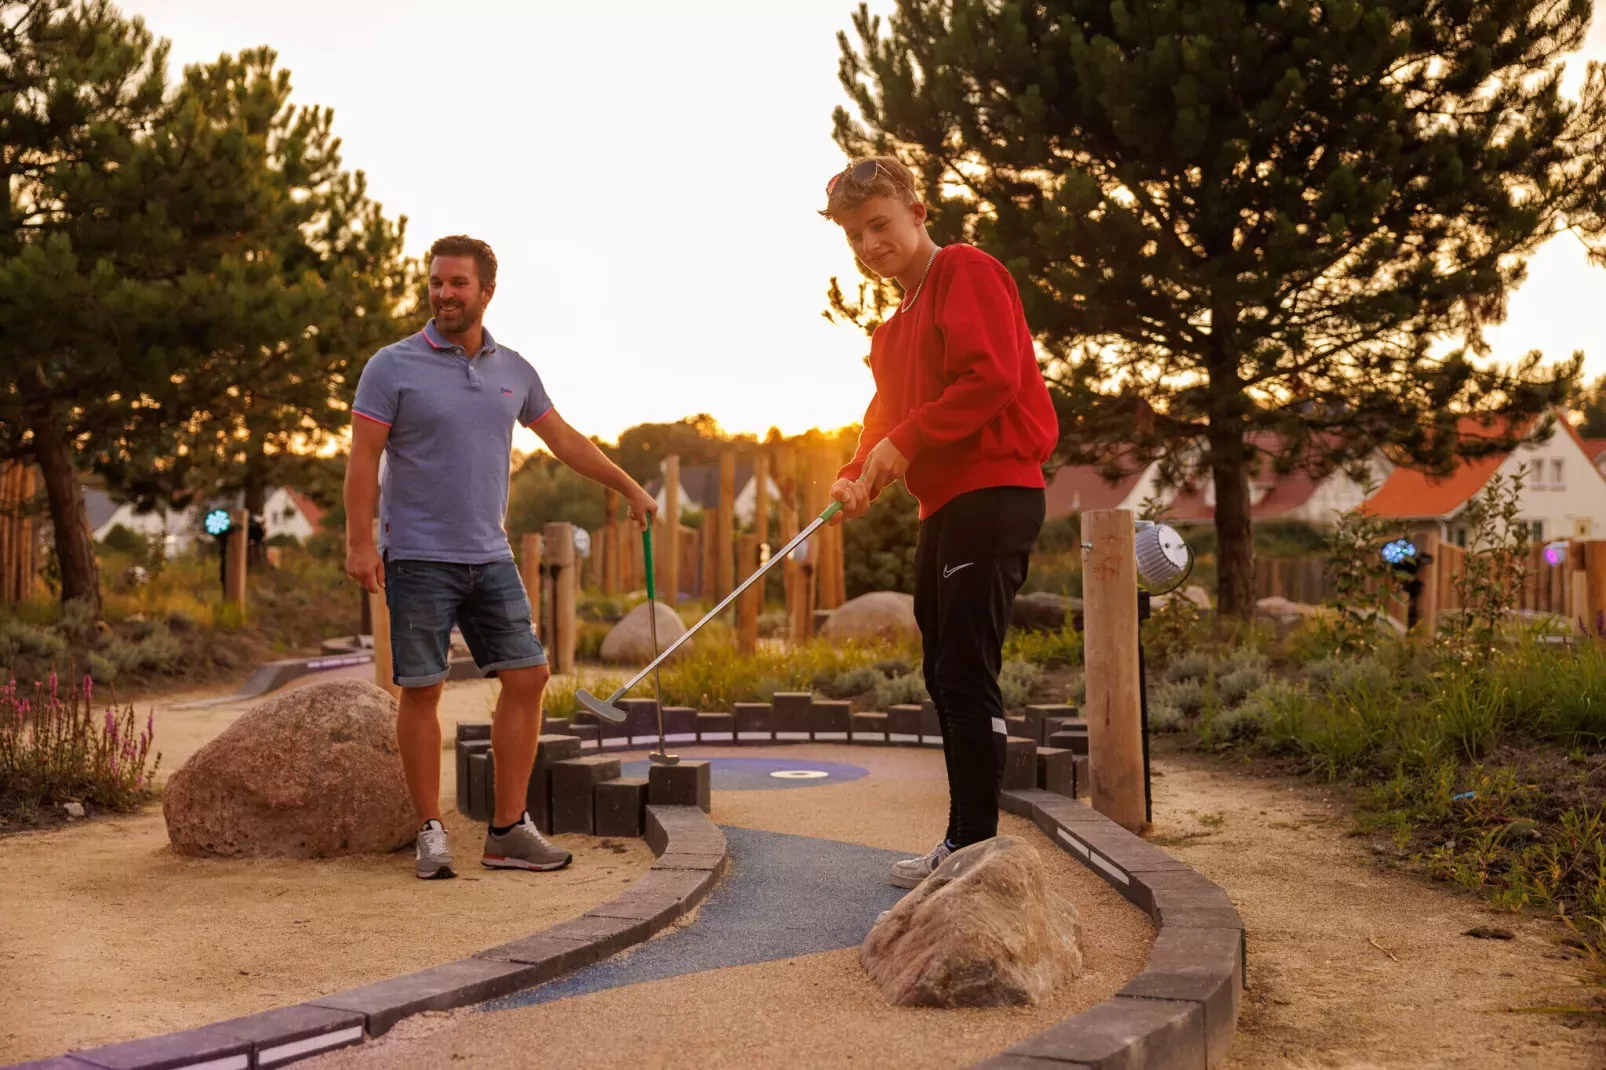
[958,388]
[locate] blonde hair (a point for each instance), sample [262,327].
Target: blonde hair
[891,179]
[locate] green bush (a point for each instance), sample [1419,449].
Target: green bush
[1055,649]
[848,684]
[1190,666]
[1164,717]
[1189,696]
[1235,685]
[901,690]
[1019,681]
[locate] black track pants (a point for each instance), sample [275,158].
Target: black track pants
[970,562]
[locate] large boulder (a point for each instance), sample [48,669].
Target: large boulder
[877,615]
[985,929]
[310,773]
[631,641]
[1044,611]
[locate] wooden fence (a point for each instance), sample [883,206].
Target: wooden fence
[1559,588]
[20,557]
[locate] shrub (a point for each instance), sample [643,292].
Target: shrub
[55,748]
[1188,697]
[848,684]
[18,638]
[1235,685]
[1057,648]
[1189,666]
[1164,717]
[1019,680]
[901,690]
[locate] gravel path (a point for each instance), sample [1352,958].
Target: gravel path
[1354,966]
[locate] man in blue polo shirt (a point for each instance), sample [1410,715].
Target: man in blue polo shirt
[440,408]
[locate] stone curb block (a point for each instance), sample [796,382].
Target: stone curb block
[1181,1011]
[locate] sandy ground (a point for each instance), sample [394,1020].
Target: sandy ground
[1356,967]
[815,1010]
[108,935]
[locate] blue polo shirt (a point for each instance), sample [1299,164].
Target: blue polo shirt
[443,492]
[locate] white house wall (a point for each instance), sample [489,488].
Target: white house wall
[1336,494]
[1577,509]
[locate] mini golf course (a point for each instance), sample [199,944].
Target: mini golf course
[739,945]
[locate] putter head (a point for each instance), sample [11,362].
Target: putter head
[607,711]
[659,757]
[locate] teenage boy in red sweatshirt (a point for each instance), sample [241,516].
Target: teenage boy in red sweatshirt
[961,413]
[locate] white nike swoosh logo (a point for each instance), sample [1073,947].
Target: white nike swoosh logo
[950,571]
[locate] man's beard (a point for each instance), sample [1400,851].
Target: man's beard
[457,316]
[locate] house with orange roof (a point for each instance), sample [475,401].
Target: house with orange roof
[1563,494]
[1298,495]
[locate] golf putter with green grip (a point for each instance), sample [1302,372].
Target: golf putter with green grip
[612,714]
[661,756]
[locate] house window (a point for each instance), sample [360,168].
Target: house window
[1461,537]
[1538,527]
[1556,480]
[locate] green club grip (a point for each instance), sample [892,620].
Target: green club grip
[646,556]
[831,510]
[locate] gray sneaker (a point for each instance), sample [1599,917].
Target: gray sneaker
[433,858]
[911,871]
[523,847]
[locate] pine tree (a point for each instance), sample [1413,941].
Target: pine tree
[315,286]
[1229,218]
[81,86]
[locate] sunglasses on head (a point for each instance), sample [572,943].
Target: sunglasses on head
[861,172]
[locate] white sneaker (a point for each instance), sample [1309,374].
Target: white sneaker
[432,857]
[911,871]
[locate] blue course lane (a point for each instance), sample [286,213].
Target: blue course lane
[755,774]
[784,896]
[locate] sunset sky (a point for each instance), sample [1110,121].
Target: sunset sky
[650,175]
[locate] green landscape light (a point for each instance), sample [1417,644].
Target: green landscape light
[217,522]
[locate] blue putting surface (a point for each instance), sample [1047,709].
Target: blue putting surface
[784,896]
[758,774]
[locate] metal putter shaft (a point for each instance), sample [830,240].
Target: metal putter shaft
[612,714]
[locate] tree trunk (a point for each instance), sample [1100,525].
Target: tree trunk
[75,548]
[1235,553]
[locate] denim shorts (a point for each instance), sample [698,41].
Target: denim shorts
[487,603]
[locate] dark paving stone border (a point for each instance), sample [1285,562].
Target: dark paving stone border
[1181,1011]
[692,856]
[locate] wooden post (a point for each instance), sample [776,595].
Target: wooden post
[786,482]
[607,551]
[530,572]
[558,551]
[8,541]
[1427,605]
[1595,588]
[669,577]
[1114,731]
[234,575]
[379,624]
[747,605]
[379,616]
[761,512]
[1578,589]
[709,556]
[724,518]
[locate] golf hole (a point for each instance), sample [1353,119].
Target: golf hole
[800,774]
